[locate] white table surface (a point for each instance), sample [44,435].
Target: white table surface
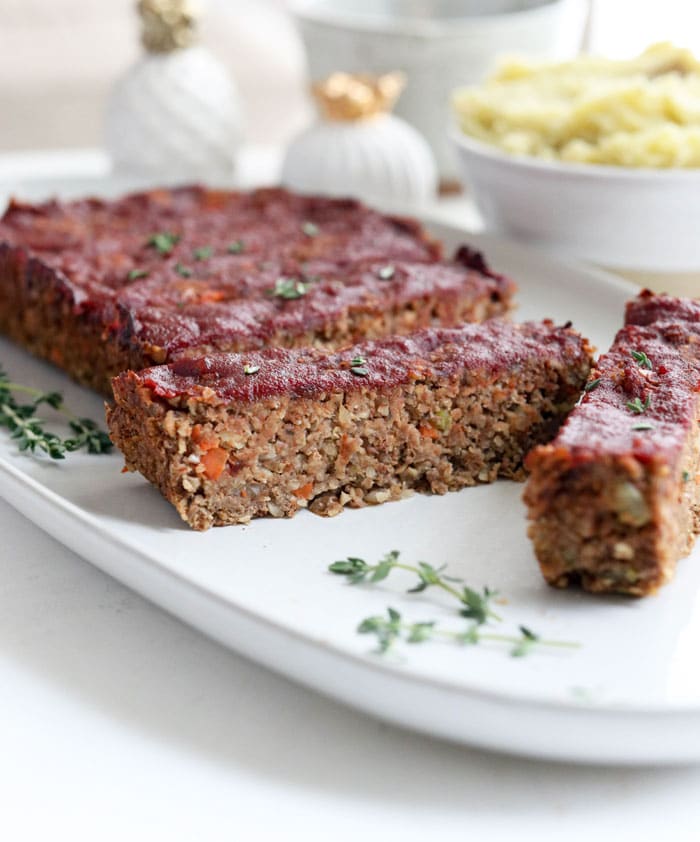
[119,722]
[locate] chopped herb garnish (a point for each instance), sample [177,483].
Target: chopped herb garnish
[386,273]
[592,384]
[686,476]
[29,430]
[643,426]
[236,247]
[641,359]
[289,288]
[475,606]
[203,253]
[358,366]
[251,369]
[183,271]
[135,274]
[637,407]
[310,229]
[164,242]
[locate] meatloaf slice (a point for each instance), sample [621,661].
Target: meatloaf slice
[101,286]
[230,437]
[613,501]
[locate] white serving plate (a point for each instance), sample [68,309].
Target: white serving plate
[630,694]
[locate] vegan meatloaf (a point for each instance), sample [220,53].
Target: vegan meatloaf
[613,501]
[230,437]
[98,287]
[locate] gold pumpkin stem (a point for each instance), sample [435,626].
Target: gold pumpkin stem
[168,25]
[351,96]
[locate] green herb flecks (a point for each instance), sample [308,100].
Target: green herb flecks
[236,247]
[289,288]
[135,274]
[163,242]
[386,273]
[203,253]
[30,431]
[641,359]
[643,426]
[686,476]
[592,384]
[251,369]
[183,271]
[474,605]
[310,229]
[637,407]
[358,366]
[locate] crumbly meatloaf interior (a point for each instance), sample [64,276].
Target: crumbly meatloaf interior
[614,500]
[613,525]
[222,463]
[82,285]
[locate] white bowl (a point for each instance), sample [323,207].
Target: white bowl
[623,218]
[439,44]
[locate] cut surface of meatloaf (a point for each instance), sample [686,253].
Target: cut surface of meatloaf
[98,287]
[230,437]
[613,501]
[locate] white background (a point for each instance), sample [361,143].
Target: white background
[58,59]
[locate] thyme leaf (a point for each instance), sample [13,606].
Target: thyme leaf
[183,271]
[163,242]
[641,359]
[203,253]
[289,288]
[358,366]
[637,407]
[236,247]
[135,274]
[310,229]
[592,384]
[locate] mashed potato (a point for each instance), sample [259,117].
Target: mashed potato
[644,112]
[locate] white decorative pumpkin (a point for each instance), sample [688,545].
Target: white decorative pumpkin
[175,115]
[359,149]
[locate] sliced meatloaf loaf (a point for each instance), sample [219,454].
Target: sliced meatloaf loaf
[101,286]
[230,437]
[613,500]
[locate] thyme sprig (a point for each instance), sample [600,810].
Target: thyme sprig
[476,606]
[30,431]
[392,628]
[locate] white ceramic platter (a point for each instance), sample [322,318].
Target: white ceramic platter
[629,694]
